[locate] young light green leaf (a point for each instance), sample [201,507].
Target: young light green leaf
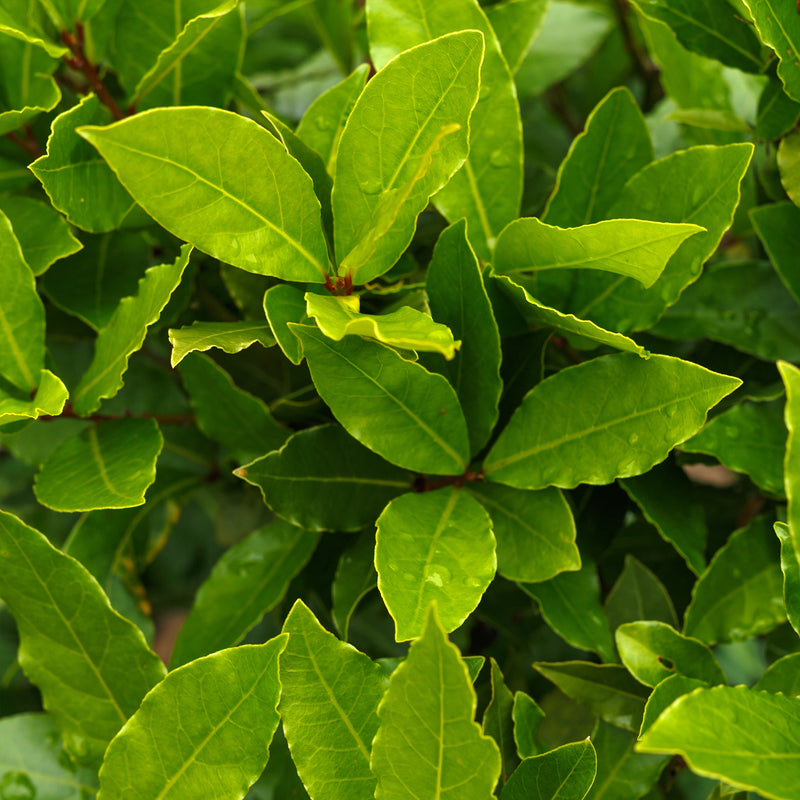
[596,412]
[449,758]
[227,414]
[125,334]
[778,227]
[21,321]
[433,546]
[488,188]
[109,465]
[323,123]
[322,479]
[566,773]
[535,531]
[665,694]
[43,234]
[422,101]
[607,689]
[248,580]
[630,247]
[790,534]
[72,174]
[395,407]
[263,218]
[284,304]
[778,26]
[457,298]
[638,594]
[406,328]
[516,24]
[711,28]
[744,737]
[355,577]
[613,147]
[570,604]
[749,438]
[33,761]
[498,721]
[782,676]
[666,498]
[231,337]
[527,719]
[49,400]
[224,708]
[740,595]
[622,774]
[539,314]
[653,651]
[329,701]
[91,665]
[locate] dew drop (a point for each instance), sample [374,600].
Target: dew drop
[437,574]
[732,432]
[472,582]
[408,576]
[372,186]
[485,91]
[672,411]
[323,123]
[500,158]
[633,438]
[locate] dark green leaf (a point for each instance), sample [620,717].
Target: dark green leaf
[790,533]
[355,577]
[782,677]
[778,227]
[498,721]
[566,773]
[790,566]
[516,24]
[527,719]
[638,594]
[284,304]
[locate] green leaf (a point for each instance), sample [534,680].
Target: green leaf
[227,414]
[744,737]
[329,701]
[570,605]
[322,125]
[596,411]
[782,676]
[666,498]
[27,87]
[198,68]
[324,480]
[91,665]
[790,534]
[422,102]
[638,594]
[711,28]
[231,337]
[541,315]
[744,305]
[25,23]
[527,719]
[395,407]
[434,546]
[79,184]
[457,298]
[749,438]
[790,566]
[43,235]
[710,119]
[49,400]
[778,26]
[406,328]
[622,774]
[355,578]
[630,247]
[284,304]
[778,227]
[109,465]
[566,773]
[498,721]
[613,147]
[33,761]
[607,689]
[125,333]
[535,531]
[430,693]
[516,24]
[777,112]
[21,315]
[224,708]
[263,219]
[249,580]
[653,651]
[665,694]
[740,595]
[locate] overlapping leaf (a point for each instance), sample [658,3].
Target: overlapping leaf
[790,535]
[355,577]
[231,337]
[565,773]
[50,397]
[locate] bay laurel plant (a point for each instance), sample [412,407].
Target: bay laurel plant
[434,362]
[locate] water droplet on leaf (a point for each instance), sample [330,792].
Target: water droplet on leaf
[372,186]
[633,438]
[500,158]
[323,123]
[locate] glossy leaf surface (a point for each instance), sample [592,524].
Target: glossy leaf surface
[263,219]
[231,337]
[566,773]
[91,665]
[591,430]
[665,694]
[284,304]
[437,547]
[225,712]
[449,757]
[393,406]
